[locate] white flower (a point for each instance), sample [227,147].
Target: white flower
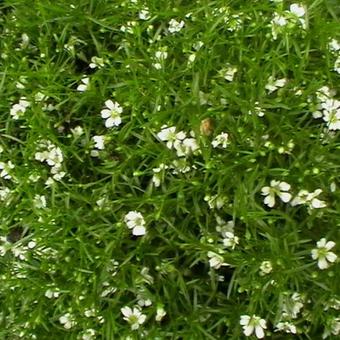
[337,65]
[112,114]
[170,135]
[323,254]
[18,110]
[276,188]
[135,221]
[265,268]
[230,240]
[144,14]
[297,10]
[5,169]
[158,174]
[52,294]
[220,140]
[133,316]
[85,84]
[96,62]
[55,157]
[175,26]
[77,131]
[99,142]
[285,327]
[67,321]
[228,73]
[216,260]
[186,147]
[331,113]
[215,201]
[160,313]
[279,20]
[4,193]
[309,198]
[332,327]
[251,324]
[273,84]
[334,45]
[39,201]
[88,334]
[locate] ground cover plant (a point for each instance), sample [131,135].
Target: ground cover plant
[169,169]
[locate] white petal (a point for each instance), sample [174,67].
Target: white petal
[105,113]
[285,196]
[259,332]
[117,121]
[248,330]
[262,323]
[317,204]
[329,245]
[265,190]
[139,231]
[109,104]
[284,186]
[244,320]
[110,122]
[270,201]
[142,318]
[331,257]
[321,243]
[314,254]
[126,311]
[322,263]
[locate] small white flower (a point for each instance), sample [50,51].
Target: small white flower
[39,201]
[285,327]
[297,10]
[170,135]
[276,188]
[67,321]
[266,268]
[230,240]
[112,113]
[133,316]
[215,201]
[309,198]
[135,221]
[158,174]
[99,142]
[160,313]
[96,62]
[186,147]
[273,84]
[88,334]
[331,113]
[4,193]
[77,131]
[55,157]
[220,140]
[18,110]
[5,169]
[228,73]
[279,20]
[251,324]
[216,260]
[85,84]
[144,14]
[337,65]
[323,254]
[52,294]
[334,45]
[175,26]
